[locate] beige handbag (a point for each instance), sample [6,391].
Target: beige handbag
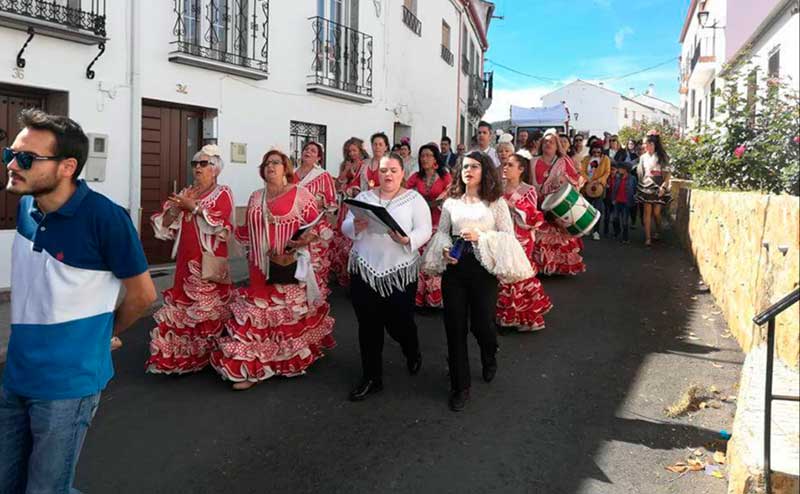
[215,269]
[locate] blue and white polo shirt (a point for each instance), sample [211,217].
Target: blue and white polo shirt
[65,279]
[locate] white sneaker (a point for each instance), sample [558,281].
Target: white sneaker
[595,236]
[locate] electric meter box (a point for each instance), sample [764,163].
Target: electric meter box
[95,169]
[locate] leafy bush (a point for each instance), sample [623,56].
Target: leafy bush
[750,145]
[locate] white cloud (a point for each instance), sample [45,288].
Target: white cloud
[619,37]
[502,99]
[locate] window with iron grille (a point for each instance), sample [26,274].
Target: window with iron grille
[301,133]
[233,32]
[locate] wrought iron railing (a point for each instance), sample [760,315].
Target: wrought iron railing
[410,20]
[480,93]
[86,15]
[342,57]
[230,31]
[447,55]
[768,317]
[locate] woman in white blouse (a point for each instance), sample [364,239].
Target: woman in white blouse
[384,266]
[474,246]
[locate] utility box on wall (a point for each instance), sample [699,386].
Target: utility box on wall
[95,169]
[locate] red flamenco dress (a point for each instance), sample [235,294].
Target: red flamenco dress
[349,187]
[556,251]
[194,309]
[276,328]
[523,304]
[322,186]
[433,190]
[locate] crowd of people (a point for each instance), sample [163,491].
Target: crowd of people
[470,235]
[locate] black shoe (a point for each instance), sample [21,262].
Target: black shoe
[414,364]
[458,400]
[367,387]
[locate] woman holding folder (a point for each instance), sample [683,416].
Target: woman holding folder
[384,264]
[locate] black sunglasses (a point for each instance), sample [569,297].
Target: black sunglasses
[24,159]
[203,163]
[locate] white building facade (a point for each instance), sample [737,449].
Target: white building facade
[249,75]
[717,33]
[595,109]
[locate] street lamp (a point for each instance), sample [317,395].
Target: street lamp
[702,19]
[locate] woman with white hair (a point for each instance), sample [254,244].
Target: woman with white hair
[195,309]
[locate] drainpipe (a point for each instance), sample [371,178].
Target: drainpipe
[459,131]
[134,59]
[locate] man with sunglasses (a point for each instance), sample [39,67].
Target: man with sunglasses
[73,251]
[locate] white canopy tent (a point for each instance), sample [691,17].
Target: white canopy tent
[553,116]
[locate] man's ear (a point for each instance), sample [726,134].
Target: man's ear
[67,167]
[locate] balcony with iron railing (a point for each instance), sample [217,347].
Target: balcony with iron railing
[342,64]
[229,36]
[703,61]
[447,55]
[411,21]
[82,21]
[480,94]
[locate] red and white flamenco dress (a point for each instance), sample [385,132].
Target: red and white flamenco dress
[429,286]
[276,328]
[194,310]
[322,186]
[556,251]
[523,304]
[349,187]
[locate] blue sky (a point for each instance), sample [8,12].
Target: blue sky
[588,39]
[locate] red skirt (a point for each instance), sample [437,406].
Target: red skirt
[188,324]
[557,252]
[429,291]
[523,304]
[340,255]
[273,331]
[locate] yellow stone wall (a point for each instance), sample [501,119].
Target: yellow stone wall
[746,248]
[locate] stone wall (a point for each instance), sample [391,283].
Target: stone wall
[746,246]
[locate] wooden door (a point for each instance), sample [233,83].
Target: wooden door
[11,103]
[170,137]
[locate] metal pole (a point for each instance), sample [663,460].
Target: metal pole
[768,404]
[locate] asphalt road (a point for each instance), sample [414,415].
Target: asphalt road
[575,408]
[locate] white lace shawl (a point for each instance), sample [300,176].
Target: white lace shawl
[497,248]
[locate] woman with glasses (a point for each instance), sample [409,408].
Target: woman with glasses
[522,305]
[280,322]
[348,186]
[556,251]
[432,181]
[321,185]
[473,248]
[198,220]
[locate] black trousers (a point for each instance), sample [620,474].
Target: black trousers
[374,313]
[469,294]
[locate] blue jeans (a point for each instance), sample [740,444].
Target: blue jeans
[40,441]
[622,220]
[600,205]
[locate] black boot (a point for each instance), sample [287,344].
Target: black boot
[414,364]
[365,388]
[458,400]
[489,361]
